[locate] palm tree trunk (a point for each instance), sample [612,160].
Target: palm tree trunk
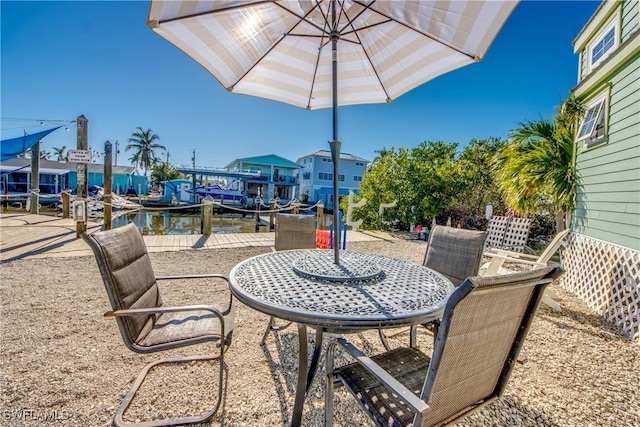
[560,221]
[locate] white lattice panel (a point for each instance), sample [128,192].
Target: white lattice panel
[607,278]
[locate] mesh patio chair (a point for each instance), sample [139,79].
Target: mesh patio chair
[456,254]
[498,257]
[293,231]
[145,323]
[484,325]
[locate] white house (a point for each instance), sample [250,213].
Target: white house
[316,176]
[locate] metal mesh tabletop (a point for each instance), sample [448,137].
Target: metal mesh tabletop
[365,291]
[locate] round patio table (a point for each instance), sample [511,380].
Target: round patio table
[366,291]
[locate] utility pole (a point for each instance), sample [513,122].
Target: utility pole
[193,163]
[115,163]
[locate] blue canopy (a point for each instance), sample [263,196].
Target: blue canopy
[15,146]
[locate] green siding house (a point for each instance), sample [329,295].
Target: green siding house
[603,255]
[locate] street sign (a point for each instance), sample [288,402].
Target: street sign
[79,156]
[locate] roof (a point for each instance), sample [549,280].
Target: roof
[343,156]
[51,166]
[267,160]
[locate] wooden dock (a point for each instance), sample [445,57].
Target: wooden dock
[24,235]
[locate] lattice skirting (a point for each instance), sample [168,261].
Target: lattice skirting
[607,278]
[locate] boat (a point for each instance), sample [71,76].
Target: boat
[221,195]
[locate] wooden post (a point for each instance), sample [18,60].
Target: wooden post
[66,204]
[258,203]
[35,179]
[272,214]
[320,214]
[83,144]
[207,215]
[296,209]
[108,174]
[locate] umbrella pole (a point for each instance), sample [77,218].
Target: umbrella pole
[335,144]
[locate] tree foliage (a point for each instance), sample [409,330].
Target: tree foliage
[144,144]
[163,171]
[430,181]
[536,168]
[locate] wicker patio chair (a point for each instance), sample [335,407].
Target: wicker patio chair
[456,254]
[485,322]
[293,231]
[498,257]
[145,323]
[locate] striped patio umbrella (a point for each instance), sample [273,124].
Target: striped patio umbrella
[326,53]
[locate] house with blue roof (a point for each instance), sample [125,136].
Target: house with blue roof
[276,177]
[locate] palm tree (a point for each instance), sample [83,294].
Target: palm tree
[60,153]
[538,164]
[143,142]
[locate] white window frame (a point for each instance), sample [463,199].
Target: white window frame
[613,24]
[600,106]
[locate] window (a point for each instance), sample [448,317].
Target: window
[325,176]
[306,175]
[592,127]
[357,178]
[324,159]
[604,44]
[340,177]
[359,164]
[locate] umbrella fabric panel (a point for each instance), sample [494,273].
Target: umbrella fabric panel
[282,50]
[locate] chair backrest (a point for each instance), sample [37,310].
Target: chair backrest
[508,233]
[553,246]
[454,252]
[127,275]
[484,324]
[295,232]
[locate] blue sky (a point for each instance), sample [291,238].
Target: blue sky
[63,59]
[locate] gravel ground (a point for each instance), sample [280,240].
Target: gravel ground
[62,363]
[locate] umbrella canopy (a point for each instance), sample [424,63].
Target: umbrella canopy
[326,53]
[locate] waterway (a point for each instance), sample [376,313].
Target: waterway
[167,222]
[179,223]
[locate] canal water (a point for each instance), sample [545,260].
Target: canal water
[180,223]
[172,222]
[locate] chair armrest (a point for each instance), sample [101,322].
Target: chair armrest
[517,260]
[152,310]
[511,254]
[194,276]
[202,276]
[394,385]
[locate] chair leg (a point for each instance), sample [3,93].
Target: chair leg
[271,326]
[328,391]
[119,422]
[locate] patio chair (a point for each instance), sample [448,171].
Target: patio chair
[456,254]
[507,232]
[146,324]
[293,231]
[498,257]
[484,325]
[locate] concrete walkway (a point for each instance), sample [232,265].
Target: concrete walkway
[23,235]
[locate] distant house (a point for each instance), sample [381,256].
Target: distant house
[277,178]
[56,176]
[316,176]
[603,255]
